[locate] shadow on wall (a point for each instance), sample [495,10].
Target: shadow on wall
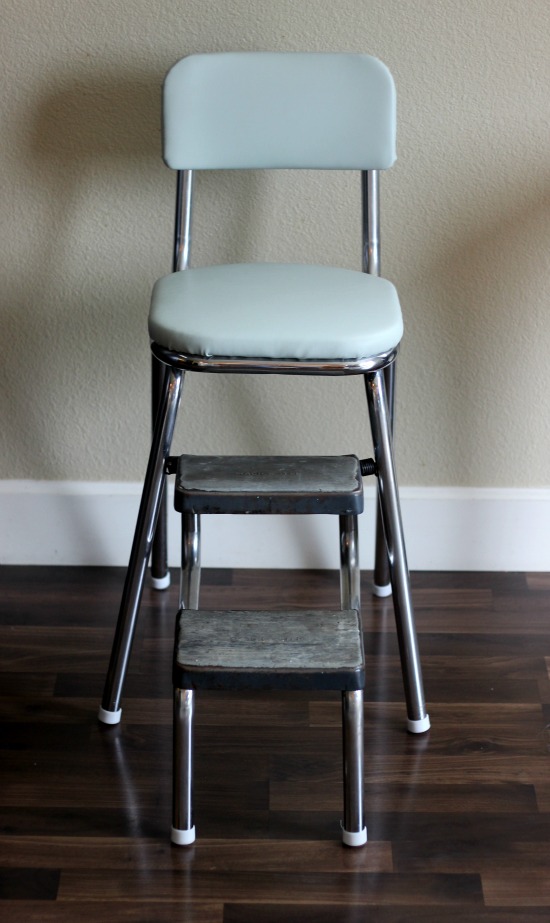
[58,310]
[110,117]
[488,337]
[93,151]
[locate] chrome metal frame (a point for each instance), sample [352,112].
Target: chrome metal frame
[183,829]
[259,366]
[353,827]
[350,573]
[180,260]
[151,498]
[354,831]
[184,212]
[370,200]
[160,575]
[190,577]
[390,511]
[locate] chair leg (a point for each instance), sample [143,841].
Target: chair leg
[183,830]
[190,560]
[382,581]
[160,575]
[418,719]
[350,573]
[354,833]
[110,711]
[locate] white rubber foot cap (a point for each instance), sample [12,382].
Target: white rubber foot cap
[182,837]
[109,717]
[418,727]
[354,839]
[381,590]
[161,583]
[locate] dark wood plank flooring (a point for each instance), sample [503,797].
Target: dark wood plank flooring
[458,820]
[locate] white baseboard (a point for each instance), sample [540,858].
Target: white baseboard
[80,523]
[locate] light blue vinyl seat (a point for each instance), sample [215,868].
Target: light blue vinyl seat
[277,311]
[258,111]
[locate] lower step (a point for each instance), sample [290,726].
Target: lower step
[298,649]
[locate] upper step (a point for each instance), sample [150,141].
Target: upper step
[269,484]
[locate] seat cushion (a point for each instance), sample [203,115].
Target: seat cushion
[276,311]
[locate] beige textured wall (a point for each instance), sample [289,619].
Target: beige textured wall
[86,219]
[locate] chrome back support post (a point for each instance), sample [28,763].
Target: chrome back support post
[370,194]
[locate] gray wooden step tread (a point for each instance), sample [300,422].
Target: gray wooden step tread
[298,649]
[269,484]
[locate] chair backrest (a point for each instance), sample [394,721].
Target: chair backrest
[256,110]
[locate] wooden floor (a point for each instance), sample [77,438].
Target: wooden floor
[458,820]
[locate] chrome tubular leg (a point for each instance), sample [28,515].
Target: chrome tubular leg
[350,573]
[110,711]
[190,561]
[183,830]
[354,832]
[382,580]
[160,575]
[418,720]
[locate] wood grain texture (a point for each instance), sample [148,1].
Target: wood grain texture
[458,820]
[263,484]
[301,649]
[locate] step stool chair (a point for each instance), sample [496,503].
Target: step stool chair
[269,650]
[276,111]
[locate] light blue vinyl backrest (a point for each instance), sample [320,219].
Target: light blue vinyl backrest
[256,110]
